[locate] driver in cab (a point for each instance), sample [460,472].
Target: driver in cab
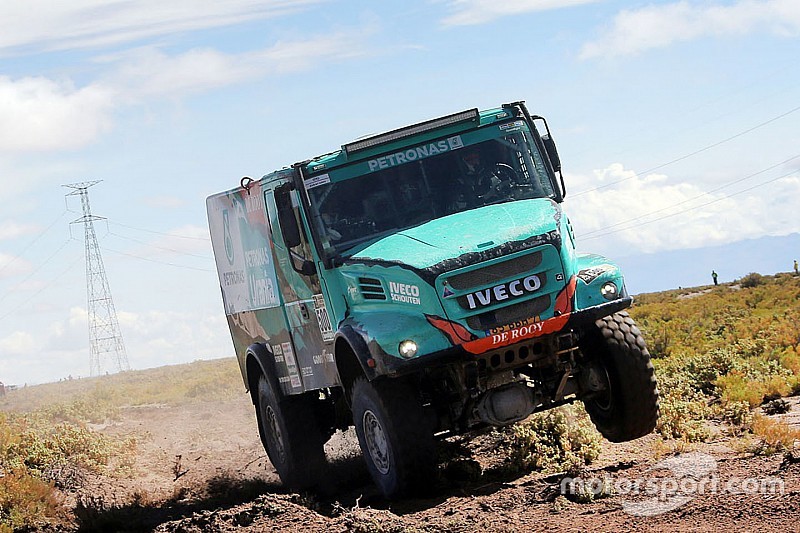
[474,185]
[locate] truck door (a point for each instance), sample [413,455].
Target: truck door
[310,328]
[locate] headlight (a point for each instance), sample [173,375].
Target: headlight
[408,349]
[609,290]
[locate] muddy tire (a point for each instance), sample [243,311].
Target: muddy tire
[629,407]
[291,436]
[396,436]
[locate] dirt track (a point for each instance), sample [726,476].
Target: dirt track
[202,467]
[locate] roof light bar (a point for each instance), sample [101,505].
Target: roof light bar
[402,133]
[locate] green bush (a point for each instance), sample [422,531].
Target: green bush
[753,279]
[561,439]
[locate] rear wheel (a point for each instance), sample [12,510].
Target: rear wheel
[627,407]
[395,435]
[291,436]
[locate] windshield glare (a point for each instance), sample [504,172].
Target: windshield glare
[356,210]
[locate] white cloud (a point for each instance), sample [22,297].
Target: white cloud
[45,25]
[656,26]
[149,72]
[165,202]
[40,114]
[18,343]
[11,265]
[653,213]
[12,230]
[472,12]
[156,338]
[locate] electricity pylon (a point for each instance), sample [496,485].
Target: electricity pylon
[105,338]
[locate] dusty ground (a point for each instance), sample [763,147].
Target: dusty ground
[202,468]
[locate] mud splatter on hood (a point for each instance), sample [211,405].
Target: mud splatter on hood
[474,231]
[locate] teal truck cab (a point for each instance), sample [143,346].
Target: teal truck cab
[418,284]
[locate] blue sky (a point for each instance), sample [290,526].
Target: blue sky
[677,124]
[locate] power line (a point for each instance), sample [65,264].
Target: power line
[42,289]
[156,260]
[159,247]
[695,207]
[37,269]
[34,241]
[705,193]
[691,154]
[205,239]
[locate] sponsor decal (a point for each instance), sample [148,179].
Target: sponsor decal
[323,358]
[404,293]
[588,275]
[415,154]
[291,365]
[323,319]
[511,125]
[447,292]
[513,325]
[316,181]
[228,240]
[504,291]
[234,277]
[277,352]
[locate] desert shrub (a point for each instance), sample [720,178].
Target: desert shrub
[683,418]
[738,414]
[561,439]
[736,387]
[753,279]
[773,436]
[26,501]
[96,406]
[36,457]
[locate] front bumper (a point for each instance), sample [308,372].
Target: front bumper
[473,349]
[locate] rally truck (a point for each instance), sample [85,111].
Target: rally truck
[419,284]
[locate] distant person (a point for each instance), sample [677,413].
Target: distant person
[795,268]
[714,277]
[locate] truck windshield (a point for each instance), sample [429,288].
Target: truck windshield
[409,193]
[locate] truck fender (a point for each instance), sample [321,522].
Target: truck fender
[260,360]
[353,355]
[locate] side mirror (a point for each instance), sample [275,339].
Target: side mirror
[552,152]
[307,268]
[288,222]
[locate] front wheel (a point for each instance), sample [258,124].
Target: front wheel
[627,406]
[291,436]
[395,435]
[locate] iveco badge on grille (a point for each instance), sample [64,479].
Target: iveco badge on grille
[504,291]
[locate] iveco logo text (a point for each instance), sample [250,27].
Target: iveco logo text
[404,293]
[503,292]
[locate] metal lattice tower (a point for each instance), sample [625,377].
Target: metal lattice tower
[104,335]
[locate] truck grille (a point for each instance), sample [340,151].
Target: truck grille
[518,288]
[506,269]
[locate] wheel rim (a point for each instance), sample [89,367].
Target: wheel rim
[604,401]
[275,434]
[377,445]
